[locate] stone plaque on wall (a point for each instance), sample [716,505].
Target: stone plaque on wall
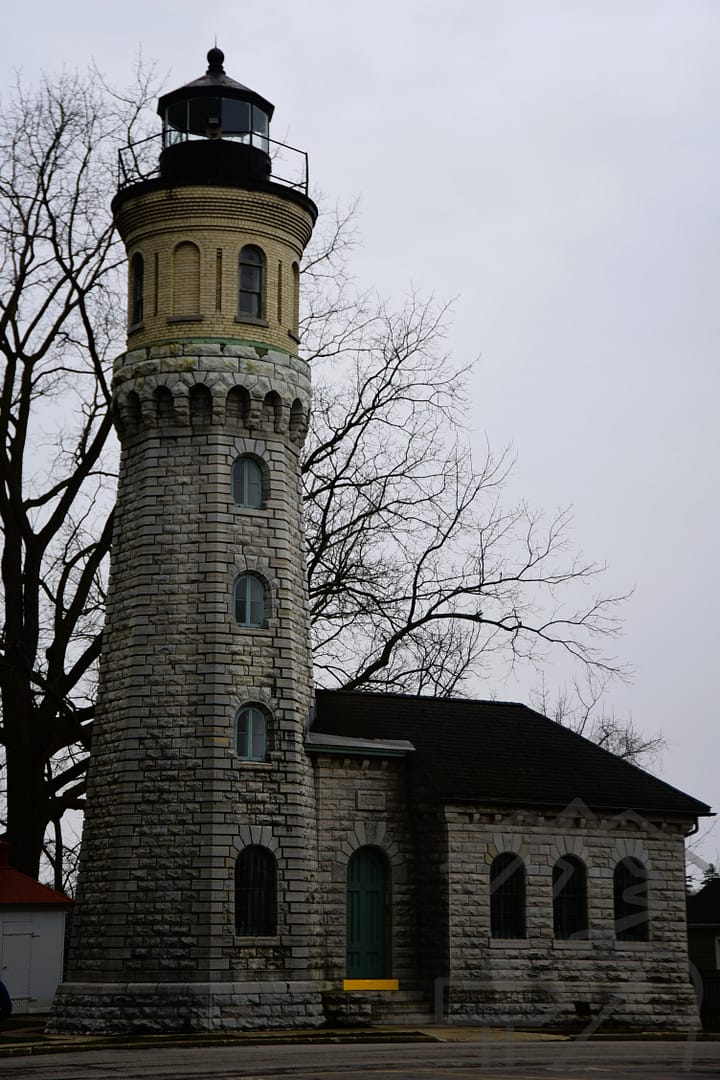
[370,800]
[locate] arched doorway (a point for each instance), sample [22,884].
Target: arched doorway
[367,879]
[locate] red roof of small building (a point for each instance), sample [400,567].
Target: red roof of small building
[20,890]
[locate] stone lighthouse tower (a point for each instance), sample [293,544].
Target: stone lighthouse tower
[197,903]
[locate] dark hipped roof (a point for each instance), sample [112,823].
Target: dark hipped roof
[703,909]
[498,752]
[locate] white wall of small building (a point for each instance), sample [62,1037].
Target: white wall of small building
[31,955]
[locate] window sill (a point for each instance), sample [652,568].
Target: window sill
[135,328]
[294,337]
[184,318]
[509,943]
[250,941]
[250,763]
[251,320]
[582,943]
[635,946]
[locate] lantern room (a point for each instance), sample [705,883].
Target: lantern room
[215,126]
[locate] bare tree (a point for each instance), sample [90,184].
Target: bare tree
[581,706]
[60,322]
[421,578]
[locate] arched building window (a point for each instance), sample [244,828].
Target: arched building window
[251,291]
[247,482]
[630,895]
[251,733]
[507,896]
[137,289]
[569,886]
[255,893]
[250,596]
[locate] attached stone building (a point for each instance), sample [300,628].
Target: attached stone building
[257,854]
[703,917]
[525,876]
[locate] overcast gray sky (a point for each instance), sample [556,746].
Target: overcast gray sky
[555,165]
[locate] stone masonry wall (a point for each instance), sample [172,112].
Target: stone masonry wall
[538,980]
[170,803]
[364,801]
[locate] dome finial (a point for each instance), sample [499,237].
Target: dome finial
[215,61]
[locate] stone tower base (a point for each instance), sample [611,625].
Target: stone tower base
[141,1008]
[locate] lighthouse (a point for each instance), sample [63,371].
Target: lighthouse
[258,854]
[197,902]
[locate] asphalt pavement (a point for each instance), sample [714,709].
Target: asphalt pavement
[434,1053]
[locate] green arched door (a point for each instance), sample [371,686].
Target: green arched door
[366,896]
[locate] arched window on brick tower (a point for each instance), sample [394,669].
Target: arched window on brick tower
[250,600]
[247,482]
[251,283]
[251,733]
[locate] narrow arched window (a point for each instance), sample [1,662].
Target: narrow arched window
[298,421]
[164,405]
[507,896]
[272,411]
[250,600]
[255,893]
[251,733]
[132,411]
[295,298]
[247,482]
[251,293]
[200,404]
[569,885]
[237,405]
[137,289]
[630,895]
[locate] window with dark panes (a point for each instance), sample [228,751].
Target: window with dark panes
[251,282]
[630,895]
[137,275]
[203,114]
[255,893]
[569,887]
[235,117]
[507,896]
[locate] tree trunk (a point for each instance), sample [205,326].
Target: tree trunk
[27,803]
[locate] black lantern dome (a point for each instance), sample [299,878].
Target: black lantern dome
[217,110]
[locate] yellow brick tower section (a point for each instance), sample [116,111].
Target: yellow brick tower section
[187,241]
